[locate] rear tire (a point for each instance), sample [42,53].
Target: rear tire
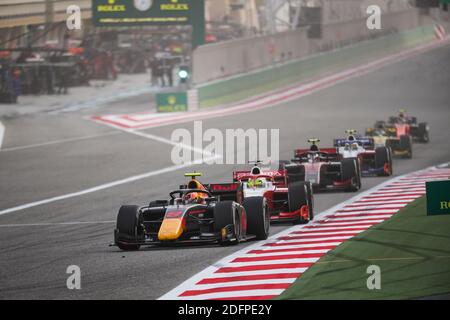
[258,217]
[406,145]
[423,133]
[383,157]
[225,214]
[310,198]
[298,197]
[128,228]
[351,171]
[295,173]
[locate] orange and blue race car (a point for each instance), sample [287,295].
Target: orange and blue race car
[193,213]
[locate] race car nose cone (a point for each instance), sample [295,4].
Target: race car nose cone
[171,229]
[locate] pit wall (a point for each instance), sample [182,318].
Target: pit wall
[238,70]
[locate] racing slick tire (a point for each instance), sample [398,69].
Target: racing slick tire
[423,132]
[128,228]
[351,171]
[225,214]
[383,158]
[406,145]
[298,197]
[258,217]
[295,173]
[310,199]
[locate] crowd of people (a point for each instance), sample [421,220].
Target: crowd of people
[10,87]
[37,73]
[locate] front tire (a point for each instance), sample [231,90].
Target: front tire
[225,215]
[258,217]
[351,171]
[423,133]
[128,228]
[406,145]
[295,173]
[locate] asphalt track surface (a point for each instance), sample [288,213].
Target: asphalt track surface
[36,246]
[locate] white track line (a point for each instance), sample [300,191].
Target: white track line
[49,143]
[243,283]
[50,224]
[233,294]
[160,139]
[279,96]
[169,142]
[261,253]
[2,134]
[206,157]
[104,186]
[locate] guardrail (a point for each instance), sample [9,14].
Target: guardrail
[241,87]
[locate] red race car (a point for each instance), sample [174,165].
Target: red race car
[285,202]
[324,169]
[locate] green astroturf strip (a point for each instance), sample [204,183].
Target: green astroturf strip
[412,250]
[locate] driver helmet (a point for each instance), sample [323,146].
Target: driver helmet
[347,146]
[255,183]
[193,197]
[354,146]
[402,115]
[314,157]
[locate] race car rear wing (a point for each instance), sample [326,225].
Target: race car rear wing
[278,176]
[330,151]
[331,154]
[363,142]
[245,174]
[226,191]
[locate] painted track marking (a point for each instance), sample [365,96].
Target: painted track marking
[206,157]
[2,134]
[49,143]
[51,224]
[152,120]
[104,186]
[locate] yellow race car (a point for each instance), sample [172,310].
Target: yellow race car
[397,137]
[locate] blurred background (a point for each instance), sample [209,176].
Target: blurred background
[40,56]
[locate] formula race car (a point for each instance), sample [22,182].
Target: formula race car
[373,161]
[396,137]
[194,213]
[285,203]
[324,168]
[420,132]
